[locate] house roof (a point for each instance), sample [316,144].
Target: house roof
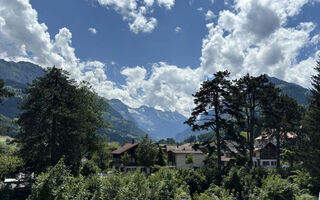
[185,148]
[266,136]
[188,152]
[124,148]
[260,145]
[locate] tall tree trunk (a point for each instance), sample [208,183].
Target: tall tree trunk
[218,133]
[251,145]
[218,147]
[278,148]
[53,139]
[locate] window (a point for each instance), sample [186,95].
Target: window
[273,163]
[265,163]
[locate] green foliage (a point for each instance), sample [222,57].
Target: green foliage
[147,152]
[310,143]
[162,158]
[4,92]
[189,159]
[102,154]
[59,118]
[164,184]
[276,188]
[89,168]
[195,181]
[248,95]
[205,137]
[191,139]
[58,183]
[9,164]
[303,180]
[215,193]
[210,106]
[125,159]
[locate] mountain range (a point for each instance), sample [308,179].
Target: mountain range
[125,122]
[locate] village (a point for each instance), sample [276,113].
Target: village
[190,155]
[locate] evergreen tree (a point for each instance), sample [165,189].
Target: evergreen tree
[4,92]
[210,107]
[281,115]
[310,147]
[59,118]
[147,152]
[249,99]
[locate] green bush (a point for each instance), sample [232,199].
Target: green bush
[276,188]
[58,183]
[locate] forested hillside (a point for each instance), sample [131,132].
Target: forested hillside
[18,75]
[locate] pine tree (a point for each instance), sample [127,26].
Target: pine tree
[281,115]
[210,108]
[249,99]
[59,119]
[310,148]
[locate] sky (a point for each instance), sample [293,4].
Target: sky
[157,52]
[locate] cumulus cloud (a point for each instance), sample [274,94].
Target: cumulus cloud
[92,30]
[22,37]
[210,15]
[254,39]
[137,12]
[232,43]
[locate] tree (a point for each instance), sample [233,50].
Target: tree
[161,158]
[189,159]
[281,115]
[191,139]
[249,99]
[4,92]
[147,152]
[58,183]
[210,107]
[310,146]
[59,118]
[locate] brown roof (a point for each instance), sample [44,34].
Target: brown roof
[124,148]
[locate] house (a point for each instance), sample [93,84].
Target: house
[178,154]
[130,150]
[265,154]
[177,157]
[265,149]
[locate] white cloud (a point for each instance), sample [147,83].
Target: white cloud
[177,29]
[137,12]
[200,9]
[92,30]
[236,42]
[210,15]
[254,39]
[168,4]
[22,37]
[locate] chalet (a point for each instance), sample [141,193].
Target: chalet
[130,150]
[177,156]
[265,154]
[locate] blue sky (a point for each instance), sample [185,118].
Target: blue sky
[157,52]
